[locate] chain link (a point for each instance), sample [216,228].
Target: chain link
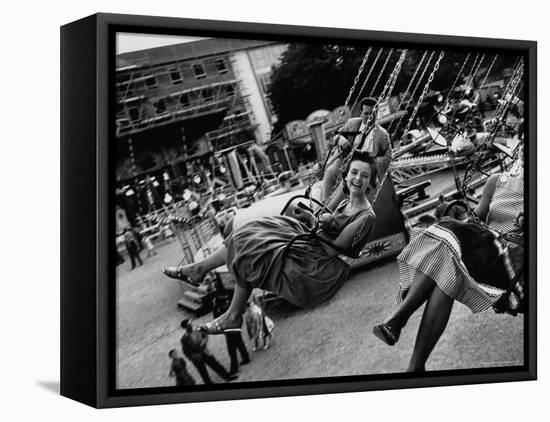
[500,116]
[345,161]
[444,106]
[381,72]
[406,92]
[367,78]
[341,117]
[417,106]
[485,78]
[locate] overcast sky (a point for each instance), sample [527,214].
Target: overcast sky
[127,42]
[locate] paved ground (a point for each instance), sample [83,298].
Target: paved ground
[333,339]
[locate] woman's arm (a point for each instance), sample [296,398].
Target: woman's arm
[363,224]
[482,208]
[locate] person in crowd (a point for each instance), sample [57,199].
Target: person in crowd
[178,370]
[463,261]
[306,274]
[258,325]
[234,340]
[355,134]
[193,344]
[148,241]
[132,247]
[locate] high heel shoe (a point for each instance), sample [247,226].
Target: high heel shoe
[176,273]
[385,333]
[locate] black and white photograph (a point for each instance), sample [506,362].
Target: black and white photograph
[311,209]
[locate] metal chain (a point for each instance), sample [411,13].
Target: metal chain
[345,161]
[485,78]
[411,117]
[416,108]
[381,72]
[367,78]
[342,112]
[407,91]
[455,81]
[421,97]
[500,115]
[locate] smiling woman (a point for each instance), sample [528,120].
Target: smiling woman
[306,274]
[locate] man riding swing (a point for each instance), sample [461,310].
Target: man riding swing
[355,134]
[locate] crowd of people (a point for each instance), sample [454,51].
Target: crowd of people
[475,259]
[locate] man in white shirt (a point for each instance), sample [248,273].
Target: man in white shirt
[355,134]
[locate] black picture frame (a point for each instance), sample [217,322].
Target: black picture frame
[87,269]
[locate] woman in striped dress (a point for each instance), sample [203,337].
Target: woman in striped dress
[453,260]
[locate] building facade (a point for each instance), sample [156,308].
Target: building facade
[180,102]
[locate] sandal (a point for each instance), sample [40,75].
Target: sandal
[384,333]
[176,273]
[215,328]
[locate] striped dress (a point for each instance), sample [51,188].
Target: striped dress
[463,258]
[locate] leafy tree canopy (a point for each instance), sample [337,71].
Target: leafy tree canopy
[319,76]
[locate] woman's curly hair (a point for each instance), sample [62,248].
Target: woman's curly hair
[365,157]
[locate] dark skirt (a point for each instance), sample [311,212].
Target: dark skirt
[306,276]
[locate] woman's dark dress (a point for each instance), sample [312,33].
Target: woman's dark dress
[307,275]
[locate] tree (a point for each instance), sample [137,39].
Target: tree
[312,77]
[319,76]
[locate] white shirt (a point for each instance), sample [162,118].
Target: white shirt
[368,146]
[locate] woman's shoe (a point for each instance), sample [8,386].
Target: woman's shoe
[385,333]
[215,328]
[177,273]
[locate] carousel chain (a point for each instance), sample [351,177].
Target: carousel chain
[413,93]
[469,80]
[417,106]
[397,69]
[423,93]
[367,78]
[381,72]
[408,89]
[459,74]
[391,79]
[342,113]
[382,97]
[485,78]
[386,91]
[500,116]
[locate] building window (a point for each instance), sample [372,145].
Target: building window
[207,95]
[133,112]
[221,67]
[229,91]
[160,106]
[200,73]
[151,81]
[175,75]
[184,100]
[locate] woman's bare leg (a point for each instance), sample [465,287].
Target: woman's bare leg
[420,291]
[434,320]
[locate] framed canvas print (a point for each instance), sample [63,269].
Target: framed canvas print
[254,210]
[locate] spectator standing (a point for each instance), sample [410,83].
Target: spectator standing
[234,339]
[178,370]
[132,248]
[193,345]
